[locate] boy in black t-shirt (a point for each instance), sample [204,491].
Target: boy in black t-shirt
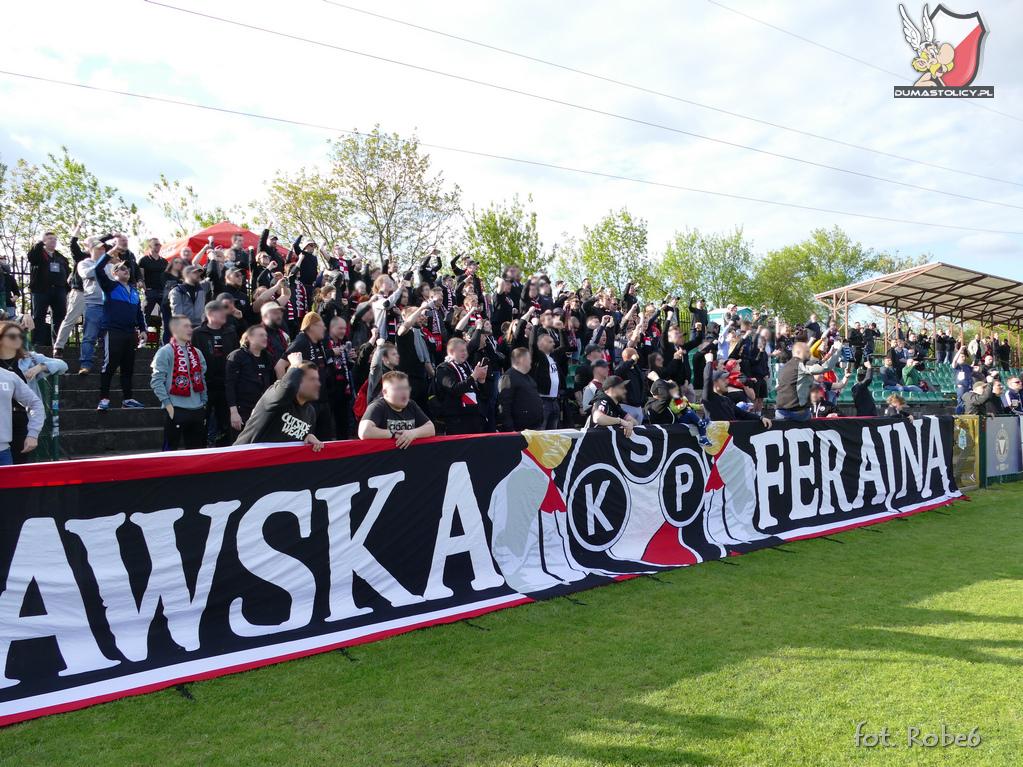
[394,415]
[606,408]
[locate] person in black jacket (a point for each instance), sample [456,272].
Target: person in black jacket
[975,401]
[863,398]
[285,413]
[216,340]
[717,406]
[897,408]
[548,364]
[48,282]
[309,343]
[819,406]
[519,406]
[248,374]
[635,395]
[307,267]
[698,316]
[458,385]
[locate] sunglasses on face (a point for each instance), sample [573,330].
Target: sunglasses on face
[15,335]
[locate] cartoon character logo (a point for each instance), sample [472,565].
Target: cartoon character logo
[954,60]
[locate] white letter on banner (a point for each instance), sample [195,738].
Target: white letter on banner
[264,561]
[768,479]
[832,462]
[130,622]
[912,461]
[348,553]
[800,473]
[870,472]
[459,497]
[935,459]
[39,556]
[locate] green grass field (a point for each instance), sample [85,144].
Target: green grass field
[770,662]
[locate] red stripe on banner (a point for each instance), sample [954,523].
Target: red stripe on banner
[194,462]
[74,705]
[867,523]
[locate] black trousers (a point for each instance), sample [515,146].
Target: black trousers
[463,424]
[341,407]
[218,413]
[118,352]
[420,393]
[54,300]
[244,411]
[187,431]
[324,430]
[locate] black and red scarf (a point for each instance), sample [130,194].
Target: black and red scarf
[187,374]
[342,375]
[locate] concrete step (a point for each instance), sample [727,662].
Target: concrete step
[87,399]
[86,418]
[112,441]
[71,381]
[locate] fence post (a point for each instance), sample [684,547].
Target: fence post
[55,416]
[982,451]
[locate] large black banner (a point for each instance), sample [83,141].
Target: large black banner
[128,575]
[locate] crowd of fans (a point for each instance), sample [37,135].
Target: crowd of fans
[311,344]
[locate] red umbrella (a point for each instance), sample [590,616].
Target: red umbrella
[221,234]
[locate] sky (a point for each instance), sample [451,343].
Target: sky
[695,50]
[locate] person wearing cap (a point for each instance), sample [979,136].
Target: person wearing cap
[190,296]
[268,245]
[234,314]
[606,408]
[819,406]
[599,371]
[699,317]
[717,405]
[232,282]
[179,382]
[216,339]
[277,341]
[307,267]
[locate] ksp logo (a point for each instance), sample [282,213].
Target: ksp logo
[948,48]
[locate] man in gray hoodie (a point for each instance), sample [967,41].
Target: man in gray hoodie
[13,389]
[179,382]
[93,312]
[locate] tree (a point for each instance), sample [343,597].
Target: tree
[401,211]
[180,206]
[377,194]
[53,197]
[501,235]
[307,203]
[611,254]
[787,279]
[717,267]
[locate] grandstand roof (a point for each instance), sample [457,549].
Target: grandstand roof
[939,289]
